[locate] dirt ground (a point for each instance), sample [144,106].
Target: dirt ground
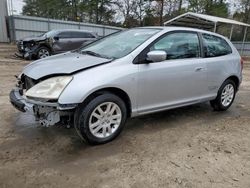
[186,147]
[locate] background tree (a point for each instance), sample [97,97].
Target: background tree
[130,13]
[243,12]
[95,11]
[211,7]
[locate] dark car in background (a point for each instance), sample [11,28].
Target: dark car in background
[54,42]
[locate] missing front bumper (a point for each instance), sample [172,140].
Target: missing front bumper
[47,114]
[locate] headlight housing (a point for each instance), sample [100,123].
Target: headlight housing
[50,88]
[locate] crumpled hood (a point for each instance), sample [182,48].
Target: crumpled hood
[33,38]
[65,63]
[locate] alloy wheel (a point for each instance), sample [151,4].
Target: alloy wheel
[105,119]
[43,53]
[227,95]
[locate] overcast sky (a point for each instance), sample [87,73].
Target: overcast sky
[17,5]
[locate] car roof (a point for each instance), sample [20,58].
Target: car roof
[175,28]
[75,30]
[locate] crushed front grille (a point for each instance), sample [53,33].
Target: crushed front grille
[28,82]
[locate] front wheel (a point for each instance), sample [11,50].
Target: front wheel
[43,52]
[225,96]
[102,119]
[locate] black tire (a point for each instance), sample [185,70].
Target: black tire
[217,104]
[43,49]
[83,114]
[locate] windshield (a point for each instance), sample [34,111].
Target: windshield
[120,44]
[51,33]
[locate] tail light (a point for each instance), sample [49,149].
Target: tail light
[241,63]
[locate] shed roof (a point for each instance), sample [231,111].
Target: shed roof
[201,21]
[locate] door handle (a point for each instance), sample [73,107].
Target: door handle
[198,69]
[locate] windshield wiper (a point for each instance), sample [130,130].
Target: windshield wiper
[94,54]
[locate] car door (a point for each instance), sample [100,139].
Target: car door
[85,38]
[179,80]
[77,38]
[63,42]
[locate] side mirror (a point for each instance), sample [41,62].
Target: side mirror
[56,38]
[157,56]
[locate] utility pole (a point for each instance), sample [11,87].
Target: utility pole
[179,7]
[161,12]
[74,7]
[11,7]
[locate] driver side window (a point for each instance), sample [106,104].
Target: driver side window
[65,35]
[179,45]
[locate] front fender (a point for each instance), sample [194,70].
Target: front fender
[121,75]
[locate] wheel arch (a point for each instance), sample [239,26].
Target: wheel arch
[235,79]
[114,90]
[46,46]
[35,53]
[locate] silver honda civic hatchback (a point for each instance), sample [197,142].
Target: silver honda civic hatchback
[128,74]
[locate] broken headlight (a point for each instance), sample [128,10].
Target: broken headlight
[50,88]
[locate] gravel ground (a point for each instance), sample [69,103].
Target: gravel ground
[186,147]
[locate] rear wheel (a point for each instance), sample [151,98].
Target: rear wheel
[225,96]
[102,119]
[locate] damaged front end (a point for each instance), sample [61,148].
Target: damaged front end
[28,49]
[42,84]
[47,111]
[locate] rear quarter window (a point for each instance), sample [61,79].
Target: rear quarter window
[215,46]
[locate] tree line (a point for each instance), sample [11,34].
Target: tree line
[132,13]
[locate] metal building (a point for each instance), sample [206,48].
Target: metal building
[211,23]
[23,26]
[3,17]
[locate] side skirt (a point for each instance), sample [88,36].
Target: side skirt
[159,109]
